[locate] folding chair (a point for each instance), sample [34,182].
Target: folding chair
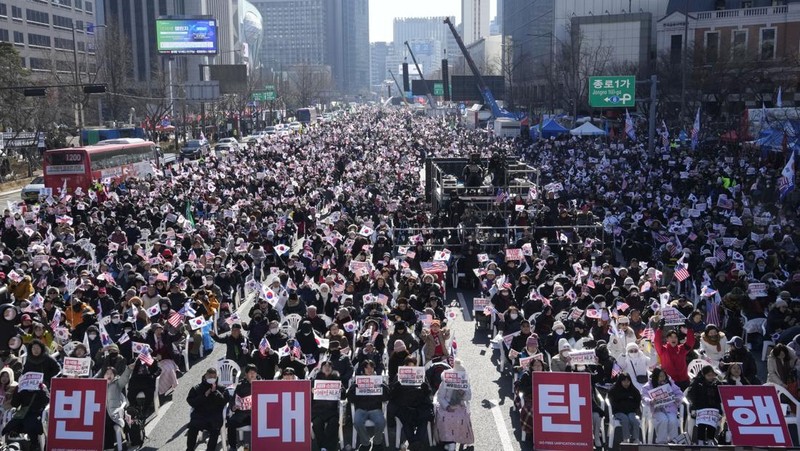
[399,428]
[368,424]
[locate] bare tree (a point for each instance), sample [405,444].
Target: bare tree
[115,68]
[306,83]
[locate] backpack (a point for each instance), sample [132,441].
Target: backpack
[136,431]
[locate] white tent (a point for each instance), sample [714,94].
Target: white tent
[587,129]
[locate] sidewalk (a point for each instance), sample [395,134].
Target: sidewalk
[16,185]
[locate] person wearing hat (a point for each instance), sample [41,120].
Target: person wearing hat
[397,358]
[276,338]
[412,406]
[241,411]
[618,343]
[453,419]
[335,333]
[369,408]
[160,344]
[368,352]
[781,365]
[402,312]
[519,341]
[703,393]
[560,361]
[738,352]
[402,332]
[208,400]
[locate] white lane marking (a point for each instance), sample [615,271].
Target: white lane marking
[500,423]
[466,311]
[151,426]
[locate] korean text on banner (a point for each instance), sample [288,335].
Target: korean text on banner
[672,317]
[30,381]
[586,357]
[661,396]
[369,385]
[77,414]
[411,375]
[327,390]
[478,304]
[754,415]
[281,415]
[77,367]
[456,380]
[708,417]
[562,411]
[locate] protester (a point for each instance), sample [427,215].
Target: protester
[626,401]
[664,413]
[207,400]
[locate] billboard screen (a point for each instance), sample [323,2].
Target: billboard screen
[465,87]
[186,36]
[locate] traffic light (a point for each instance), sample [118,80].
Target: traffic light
[34,92]
[94,89]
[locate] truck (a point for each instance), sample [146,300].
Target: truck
[306,115]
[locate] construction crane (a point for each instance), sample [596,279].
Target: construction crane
[422,77]
[486,93]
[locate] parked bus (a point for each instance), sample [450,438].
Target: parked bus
[307,115]
[80,166]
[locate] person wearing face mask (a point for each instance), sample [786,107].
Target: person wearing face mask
[401,332]
[560,361]
[512,321]
[551,341]
[324,413]
[619,342]
[635,363]
[402,312]
[276,338]
[115,400]
[109,358]
[236,344]
[340,363]
[712,344]
[40,361]
[523,288]
[207,400]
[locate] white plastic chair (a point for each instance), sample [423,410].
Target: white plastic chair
[118,430]
[290,323]
[792,419]
[695,366]
[368,424]
[685,420]
[767,343]
[228,372]
[23,354]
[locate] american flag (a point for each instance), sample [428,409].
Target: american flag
[712,310]
[720,254]
[664,135]
[501,197]
[590,282]
[297,352]
[681,273]
[649,334]
[696,129]
[56,319]
[263,346]
[615,370]
[433,267]
[175,320]
[145,357]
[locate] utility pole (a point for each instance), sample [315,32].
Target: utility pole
[78,106]
[684,56]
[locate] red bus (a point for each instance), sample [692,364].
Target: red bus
[80,166]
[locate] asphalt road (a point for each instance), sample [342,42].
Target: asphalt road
[490,406]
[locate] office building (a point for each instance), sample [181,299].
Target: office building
[42,34]
[474,20]
[378,52]
[294,32]
[347,40]
[416,28]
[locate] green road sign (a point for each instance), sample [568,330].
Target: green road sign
[438,89]
[264,96]
[612,91]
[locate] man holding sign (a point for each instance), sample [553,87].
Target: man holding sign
[672,353]
[242,405]
[325,407]
[367,395]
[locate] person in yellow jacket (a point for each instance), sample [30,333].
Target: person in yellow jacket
[23,289]
[74,313]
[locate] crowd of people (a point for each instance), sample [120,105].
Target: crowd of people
[310,257]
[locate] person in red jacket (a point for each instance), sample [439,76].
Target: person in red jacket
[672,353]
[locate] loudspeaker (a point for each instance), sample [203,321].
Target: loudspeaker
[406,86]
[446,80]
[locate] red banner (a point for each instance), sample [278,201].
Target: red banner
[281,415]
[754,415]
[562,411]
[77,414]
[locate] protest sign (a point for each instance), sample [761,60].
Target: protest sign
[709,417]
[327,390]
[244,403]
[76,367]
[756,290]
[754,415]
[77,414]
[672,317]
[584,357]
[369,385]
[281,415]
[562,411]
[661,395]
[508,338]
[478,304]
[30,381]
[456,380]
[411,375]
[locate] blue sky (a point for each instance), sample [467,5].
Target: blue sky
[383,12]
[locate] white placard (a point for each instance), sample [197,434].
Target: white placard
[456,380]
[586,357]
[709,417]
[30,381]
[411,375]
[76,367]
[369,385]
[327,390]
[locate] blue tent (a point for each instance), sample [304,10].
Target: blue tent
[553,128]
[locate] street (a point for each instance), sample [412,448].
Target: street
[490,407]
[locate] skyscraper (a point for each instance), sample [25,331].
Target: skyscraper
[415,28]
[294,32]
[475,20]
[378,52]
[347,40]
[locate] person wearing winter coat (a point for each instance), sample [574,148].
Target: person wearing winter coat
[143,380]
[673,354]
[663,411]
[207,400]
[781,365]
[626,402]
[368,408]
[401,332]
[324,413]
[618,343]
[240,408]
[411,405]
[40,361]
[236,344]
[636,364]
[453,419]
[31,423]
[8,386]
[703,393]
[734,375]
[712,344]
[435,341]
[738,352]
[560,362]
[266,361]
[115,401]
